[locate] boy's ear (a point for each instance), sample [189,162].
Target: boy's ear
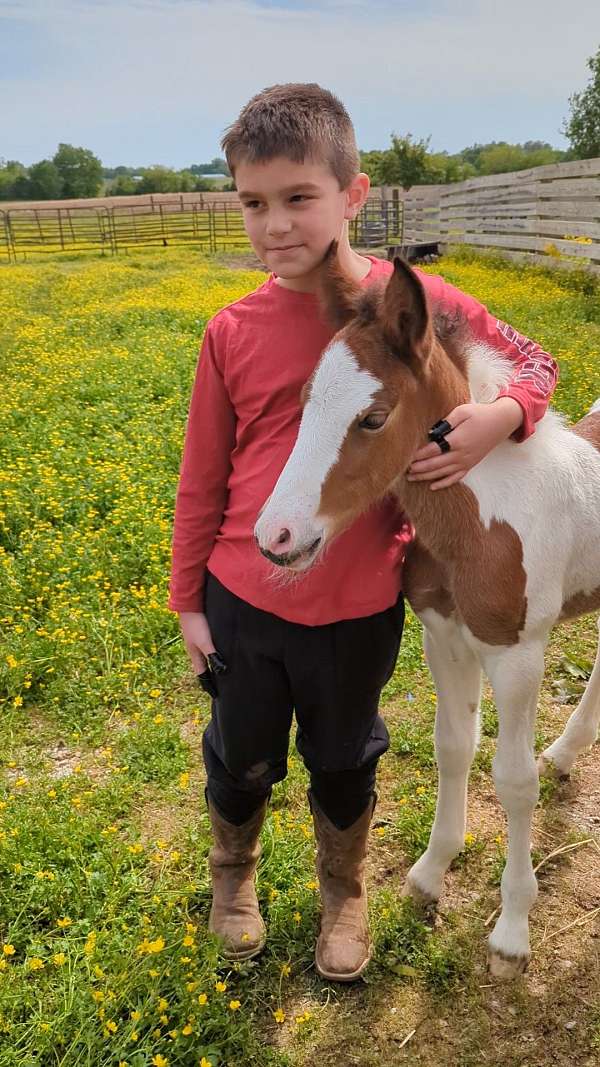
[338,293]
[406,319]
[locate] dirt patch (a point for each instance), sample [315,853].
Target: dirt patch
[240,261]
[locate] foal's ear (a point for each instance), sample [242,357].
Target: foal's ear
[338,293]
[406,319]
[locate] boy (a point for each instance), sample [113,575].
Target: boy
[325,645]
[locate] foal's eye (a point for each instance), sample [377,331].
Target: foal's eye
[374,421]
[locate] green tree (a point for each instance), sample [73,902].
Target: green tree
[370,163]
[405,163]
[45,182]
[501,158]
[159,179]
[443,168]
[582,128]
[12,176]
[187,181]
[80,170]
[216,166]
[123,185]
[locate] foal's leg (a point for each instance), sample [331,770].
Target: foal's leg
[581,729]
[457,676]
[516,675]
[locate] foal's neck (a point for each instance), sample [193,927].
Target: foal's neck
[441,518]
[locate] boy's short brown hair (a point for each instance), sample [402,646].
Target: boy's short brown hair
[299,121]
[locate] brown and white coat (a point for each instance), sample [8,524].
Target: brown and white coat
[498,558]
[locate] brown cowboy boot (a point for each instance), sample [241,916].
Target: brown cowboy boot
[234,915]
[344,945]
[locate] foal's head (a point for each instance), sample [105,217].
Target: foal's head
[380,384]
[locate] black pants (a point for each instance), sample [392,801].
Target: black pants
[332,677]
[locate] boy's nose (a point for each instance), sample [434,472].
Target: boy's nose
[277,225]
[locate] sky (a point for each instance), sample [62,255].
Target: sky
[157,81]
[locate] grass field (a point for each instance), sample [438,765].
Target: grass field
[104,955]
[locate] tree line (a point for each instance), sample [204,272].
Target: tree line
[75,173]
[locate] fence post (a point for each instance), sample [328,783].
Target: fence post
[112,231]
[6,229]
[60,230]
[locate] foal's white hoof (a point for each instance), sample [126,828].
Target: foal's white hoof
[548,767]
[421,897]
[506,967]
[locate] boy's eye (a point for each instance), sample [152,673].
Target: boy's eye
[299,196]
[251,203]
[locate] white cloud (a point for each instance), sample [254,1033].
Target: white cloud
[158,80]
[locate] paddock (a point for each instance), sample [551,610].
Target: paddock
[104,893]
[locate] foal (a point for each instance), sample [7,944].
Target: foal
[498,558]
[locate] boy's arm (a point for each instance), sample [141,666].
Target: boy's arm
[535,372]
[202,491]
[480,427]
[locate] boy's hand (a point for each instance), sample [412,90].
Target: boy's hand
[476,430]
[197,638]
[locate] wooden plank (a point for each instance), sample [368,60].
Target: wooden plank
[461,195]
[580,168]
[576,189]
[534,244]
[559,228]
[497,211]
[570,208]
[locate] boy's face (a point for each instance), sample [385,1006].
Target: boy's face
[293,211]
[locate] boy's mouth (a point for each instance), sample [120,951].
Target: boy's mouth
[283,248]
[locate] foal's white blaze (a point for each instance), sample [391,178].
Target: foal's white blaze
[340,391]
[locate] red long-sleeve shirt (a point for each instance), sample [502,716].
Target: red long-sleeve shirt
[243,421]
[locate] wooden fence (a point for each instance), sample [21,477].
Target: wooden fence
[545,214]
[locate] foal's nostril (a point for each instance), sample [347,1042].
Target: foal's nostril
[284,537]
